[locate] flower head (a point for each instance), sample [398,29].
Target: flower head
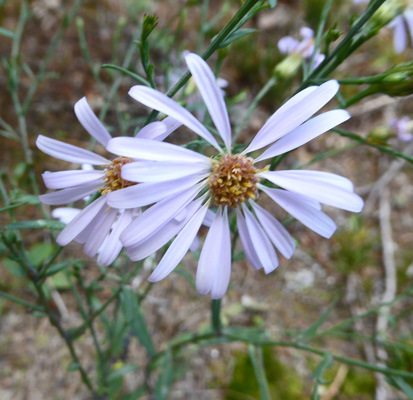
[98,222]
[185,184]
[303,48]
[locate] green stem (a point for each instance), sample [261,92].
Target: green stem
[266,88]
[20,301]
[320,70]
[215,316]
[370,142]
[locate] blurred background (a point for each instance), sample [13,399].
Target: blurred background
[367,261]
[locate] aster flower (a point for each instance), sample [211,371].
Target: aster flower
[401,127]
[303,48]
[185,184]
[97,223]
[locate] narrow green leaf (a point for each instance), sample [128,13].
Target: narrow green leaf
[125,71]
[237,35]
[403,386]
[135,318]
[135,394]
[6,32]
[165,380]
[119,372]
[73,366]
[54,269]
[309,333]
[325,363]
[37,224]
[255,354]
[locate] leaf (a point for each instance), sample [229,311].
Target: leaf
[40,252]
[73,366]
[272,3]
[403,386]
[309,333]
[135,318]
[119,372]
[37,224]
[61,281]
[54,269]
[325,363]
[125,71]
[165,380]
[6,32]
[237,35]
[255,354]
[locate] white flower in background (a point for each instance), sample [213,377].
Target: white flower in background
[403,29]
[304,48]
[401,127]
[184,184]
[402,24]
[97,222]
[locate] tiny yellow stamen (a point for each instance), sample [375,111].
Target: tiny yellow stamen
[233,180]
[113,179]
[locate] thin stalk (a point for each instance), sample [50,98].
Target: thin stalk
[266,88]
[370,142]
[215,316]
[323,19]
[319,71]
[20,301]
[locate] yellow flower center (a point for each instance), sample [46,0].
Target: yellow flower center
[233,180]
[113,179]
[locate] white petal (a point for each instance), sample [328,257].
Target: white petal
[152,131]
[223,269]
[113,246]
[317,187]
[179,246]
[211,94]
[212,255]
[80,222]
[85,234]
[209,218]
[306,132]
[276,232]
[65,214]
[67,179]
[100,232]
[287,44]
[408,16]
[160,102]
[158,171]
[327,177]
[91,122]
[262,244]
[400,35]
[144,194]
[72,194]
[152,150]
[68,152]
[246,242]
[159,238]
[293,113]
[194,245]
[156,217]
[301,210]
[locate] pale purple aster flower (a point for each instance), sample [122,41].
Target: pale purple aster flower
[304,48]
[401,127]
[185,184]
[97,223]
